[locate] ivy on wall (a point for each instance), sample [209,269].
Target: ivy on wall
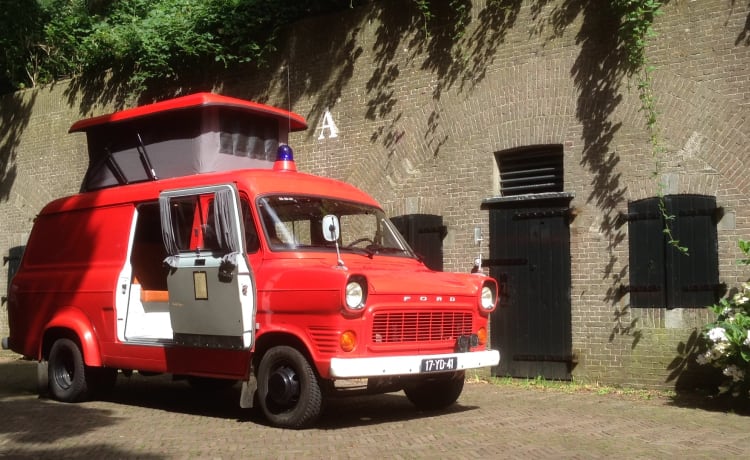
[141,44]
[636,18]
[636,29]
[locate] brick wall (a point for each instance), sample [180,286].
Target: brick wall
[38,163]
[419,127]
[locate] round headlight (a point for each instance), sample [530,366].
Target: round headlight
[488,298]
[355,295]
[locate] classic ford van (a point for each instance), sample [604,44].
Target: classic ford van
[195,248]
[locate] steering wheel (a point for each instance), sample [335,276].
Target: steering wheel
[359,240]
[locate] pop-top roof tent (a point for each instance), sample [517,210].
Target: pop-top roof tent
[193,134]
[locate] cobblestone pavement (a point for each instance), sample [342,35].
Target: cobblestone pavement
[156,418]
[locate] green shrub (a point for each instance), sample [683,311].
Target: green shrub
[727,339]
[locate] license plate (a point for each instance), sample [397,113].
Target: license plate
[438,364]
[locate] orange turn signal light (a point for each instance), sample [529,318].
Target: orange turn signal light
[482,336]
[348,341]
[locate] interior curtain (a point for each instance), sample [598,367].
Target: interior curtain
[226,231]
[167,232]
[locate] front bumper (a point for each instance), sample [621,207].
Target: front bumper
[351,368]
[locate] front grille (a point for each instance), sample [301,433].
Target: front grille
[420,326]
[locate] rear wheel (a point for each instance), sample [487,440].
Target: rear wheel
[67,372]
[288,388]
[436,392]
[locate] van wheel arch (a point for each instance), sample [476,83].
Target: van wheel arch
[271,340]
[52,335]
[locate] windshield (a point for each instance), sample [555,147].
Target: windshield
[295,222]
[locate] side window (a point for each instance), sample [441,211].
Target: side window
[182,210]
[193,222]
[660,275]
[204,221]
[252,242]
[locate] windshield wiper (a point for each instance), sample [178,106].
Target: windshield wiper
[379,249]
[389,250]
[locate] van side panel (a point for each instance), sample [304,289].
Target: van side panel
[72,260]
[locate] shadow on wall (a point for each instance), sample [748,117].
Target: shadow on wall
[15,112]
[696,386]
[448,50]
[109,89]
[448,45]
[599,73]
[626,325]
[743,38]
[445,48]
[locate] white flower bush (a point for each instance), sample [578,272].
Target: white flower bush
[727,342]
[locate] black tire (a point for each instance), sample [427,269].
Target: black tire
[67,372]
[288,388]
[436,392]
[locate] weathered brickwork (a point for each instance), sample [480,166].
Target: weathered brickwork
[419,129]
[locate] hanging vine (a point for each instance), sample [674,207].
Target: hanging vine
[458,12]
[636,29]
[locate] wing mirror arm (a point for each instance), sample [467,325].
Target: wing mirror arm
[331,233]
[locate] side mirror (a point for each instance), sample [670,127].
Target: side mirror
[331,228]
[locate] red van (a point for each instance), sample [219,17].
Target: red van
[195,248]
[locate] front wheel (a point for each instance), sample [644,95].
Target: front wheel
[437,392]
[288,388]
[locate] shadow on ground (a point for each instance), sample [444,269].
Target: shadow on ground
[162,392]
[712,403]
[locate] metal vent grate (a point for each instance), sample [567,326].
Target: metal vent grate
[531,170]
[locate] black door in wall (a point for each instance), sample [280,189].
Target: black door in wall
[425,234]
[530,259]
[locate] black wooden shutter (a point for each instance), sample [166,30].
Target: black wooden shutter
[660,274]
[693,279]
[14,263]
[646,251]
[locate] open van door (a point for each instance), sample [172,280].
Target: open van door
[212,296]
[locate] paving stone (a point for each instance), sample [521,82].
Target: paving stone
[157,418]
